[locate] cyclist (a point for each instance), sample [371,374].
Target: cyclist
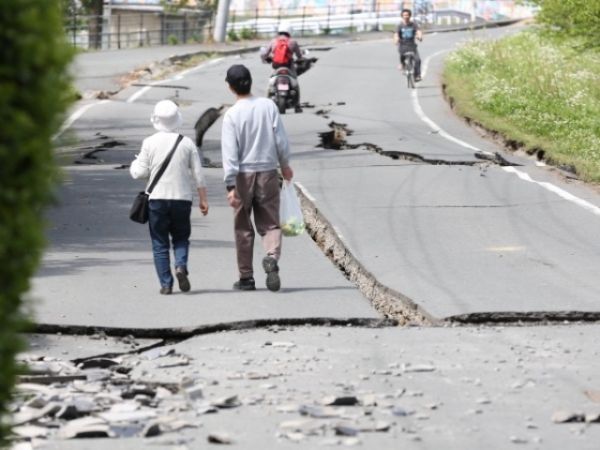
[405,38]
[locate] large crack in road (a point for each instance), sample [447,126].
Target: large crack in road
[336,139]
[392,303]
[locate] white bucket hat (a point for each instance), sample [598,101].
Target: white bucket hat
[166,116]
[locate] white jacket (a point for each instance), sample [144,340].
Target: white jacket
[183,174]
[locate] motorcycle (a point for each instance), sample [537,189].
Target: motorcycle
[284,89]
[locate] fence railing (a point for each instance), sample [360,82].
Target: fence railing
[124,29]
[137,29]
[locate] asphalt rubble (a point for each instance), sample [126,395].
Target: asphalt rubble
[312,386]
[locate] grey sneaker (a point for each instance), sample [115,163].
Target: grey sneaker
[272,270]
[181,274]
[245,284]
[166,290]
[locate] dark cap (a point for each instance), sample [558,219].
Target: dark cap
[238,75]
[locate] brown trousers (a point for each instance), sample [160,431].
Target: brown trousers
[259,193]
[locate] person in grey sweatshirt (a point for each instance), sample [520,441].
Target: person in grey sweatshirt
[253,145]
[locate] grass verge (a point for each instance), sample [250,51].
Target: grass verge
[541,92]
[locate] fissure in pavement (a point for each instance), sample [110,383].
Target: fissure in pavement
[182,333]
[336,139]
[390,303]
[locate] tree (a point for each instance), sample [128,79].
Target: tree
[172,6]
[572,17]
[34,93]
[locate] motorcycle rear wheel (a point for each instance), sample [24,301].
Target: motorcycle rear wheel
[281,105]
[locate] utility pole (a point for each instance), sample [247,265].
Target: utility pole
[221,21]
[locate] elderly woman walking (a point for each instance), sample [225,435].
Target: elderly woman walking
[171,199]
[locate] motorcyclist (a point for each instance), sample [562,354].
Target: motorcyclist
[405,37]
[271,54]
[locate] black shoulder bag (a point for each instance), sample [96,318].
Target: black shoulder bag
[139,210]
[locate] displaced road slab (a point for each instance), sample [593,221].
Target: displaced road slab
[459,240]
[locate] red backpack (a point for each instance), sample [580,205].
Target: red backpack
[282,53]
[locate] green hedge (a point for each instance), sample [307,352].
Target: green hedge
[34,93]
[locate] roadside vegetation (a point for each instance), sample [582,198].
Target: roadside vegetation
[34,93]
[540,88]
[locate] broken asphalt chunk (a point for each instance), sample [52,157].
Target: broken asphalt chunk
[592,417]
[220,438]
[567,417]
[138,389]
[318,412]
[343,429]
[417,368]
[98,363]
[86,427]
[340,401]
[31,431]
[26,415]
[227,402]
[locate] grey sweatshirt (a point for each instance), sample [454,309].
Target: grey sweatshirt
[253,138]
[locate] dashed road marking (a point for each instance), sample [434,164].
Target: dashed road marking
[177,77]
[81,111]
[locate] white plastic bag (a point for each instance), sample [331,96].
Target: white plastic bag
[290,212]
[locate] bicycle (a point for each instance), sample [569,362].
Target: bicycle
[409,69]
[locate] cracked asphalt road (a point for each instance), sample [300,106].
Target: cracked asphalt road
[455,240]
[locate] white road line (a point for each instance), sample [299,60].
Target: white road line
[434,126]
[558,191]
[177,77]
[81,111]
[522,175]
[76,115]
[139,93]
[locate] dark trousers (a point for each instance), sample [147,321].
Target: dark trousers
[169,219]
[413,49]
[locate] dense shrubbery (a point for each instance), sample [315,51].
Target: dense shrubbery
[572,17]
[542,92]
[34,91]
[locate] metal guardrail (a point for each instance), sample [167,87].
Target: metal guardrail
[122,28]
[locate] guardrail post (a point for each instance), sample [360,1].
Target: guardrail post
[119,31]
[163,29]
[376,17]
[351,18]
[328,28]
[256,23]
[141,42]
[303,20]
[185,28]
